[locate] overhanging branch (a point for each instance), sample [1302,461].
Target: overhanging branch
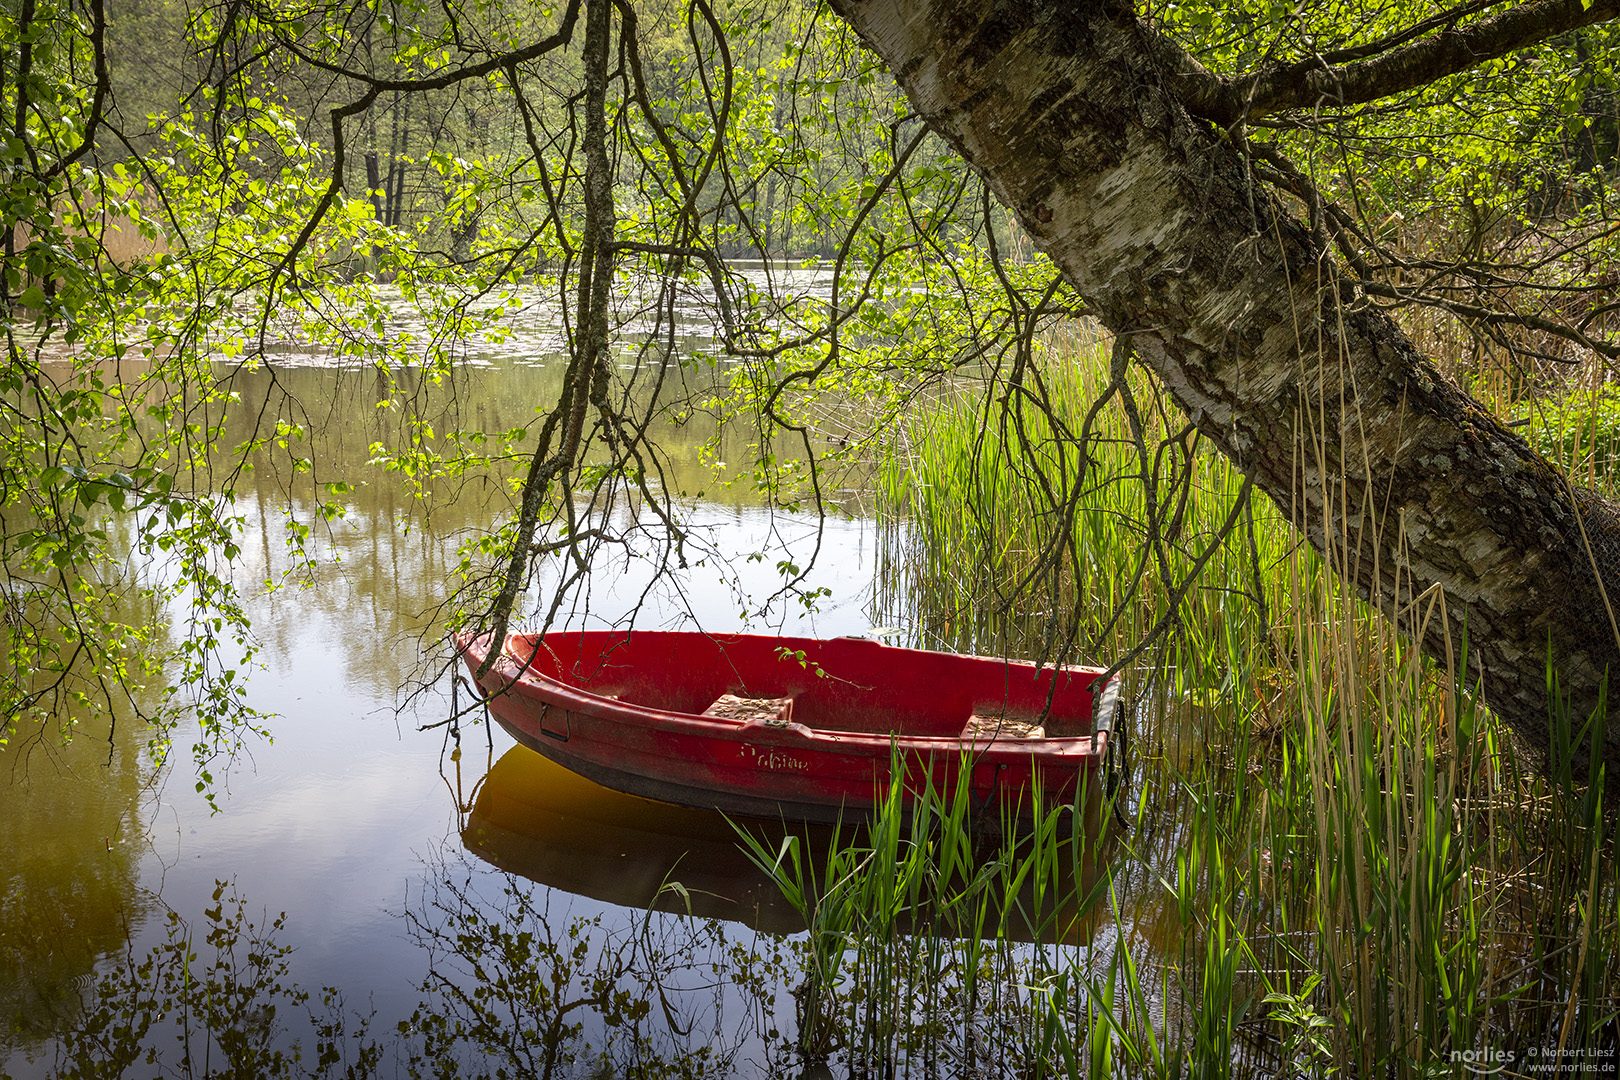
[1306,84]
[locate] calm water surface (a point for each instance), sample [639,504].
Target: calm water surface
[353,817]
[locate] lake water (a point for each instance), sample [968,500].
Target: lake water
[433,878]
[351,821]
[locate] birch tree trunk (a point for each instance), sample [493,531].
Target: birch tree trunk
[1069,113]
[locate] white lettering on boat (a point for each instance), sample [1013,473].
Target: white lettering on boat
[775,759]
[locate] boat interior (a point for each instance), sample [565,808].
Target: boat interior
[843,684]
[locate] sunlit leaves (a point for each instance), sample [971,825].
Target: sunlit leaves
[223,242]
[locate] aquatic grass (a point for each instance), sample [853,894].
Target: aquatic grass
[998,528]
[930,942]
[1337,862]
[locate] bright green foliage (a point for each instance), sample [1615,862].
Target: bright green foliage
[1512,140]
[140,277]
[90,457]
[1581,433]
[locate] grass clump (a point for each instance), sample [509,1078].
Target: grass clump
[1579,430]
[932,951]
[1336,863]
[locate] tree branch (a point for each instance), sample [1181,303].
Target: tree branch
[490,66]
[1305,84]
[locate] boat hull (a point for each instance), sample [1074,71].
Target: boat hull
[627,711]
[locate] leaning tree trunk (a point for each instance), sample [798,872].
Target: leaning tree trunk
[1066,111]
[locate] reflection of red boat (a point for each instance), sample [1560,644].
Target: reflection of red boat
[795,727]
[537,819]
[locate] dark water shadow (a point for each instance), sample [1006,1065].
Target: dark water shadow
[538,820]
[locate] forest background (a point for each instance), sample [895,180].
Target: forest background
[1387,309]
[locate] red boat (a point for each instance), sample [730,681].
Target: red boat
[797,728]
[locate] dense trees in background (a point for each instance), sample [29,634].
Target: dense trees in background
[1280,212]
[409,147]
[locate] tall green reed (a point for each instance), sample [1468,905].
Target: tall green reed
[1338,864]
[932,945]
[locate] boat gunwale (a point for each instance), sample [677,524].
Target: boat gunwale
[556,693]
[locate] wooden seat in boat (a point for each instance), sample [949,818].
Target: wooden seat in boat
[985,727]
[772,712]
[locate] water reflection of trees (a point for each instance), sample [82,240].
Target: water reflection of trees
[519,985]
[69,889]
[525,981]
[515,985]
[214,999]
